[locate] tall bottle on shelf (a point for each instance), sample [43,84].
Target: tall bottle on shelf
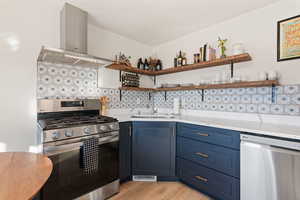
[146,65]
[140,64]
[184,59]
[179,59]
[159,65]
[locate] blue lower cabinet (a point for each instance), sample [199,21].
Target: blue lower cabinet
[208,181]
[225,160]
[153,148]
[125,150]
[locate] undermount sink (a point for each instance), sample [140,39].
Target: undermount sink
[163,116]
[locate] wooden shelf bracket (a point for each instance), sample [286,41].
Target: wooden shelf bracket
[120,76]
[231,68]
[120,93]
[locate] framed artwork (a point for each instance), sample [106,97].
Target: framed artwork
[288,39]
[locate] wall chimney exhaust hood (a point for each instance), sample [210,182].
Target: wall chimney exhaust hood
[73,41]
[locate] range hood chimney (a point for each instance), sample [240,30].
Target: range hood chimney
[73,41]
[73,29]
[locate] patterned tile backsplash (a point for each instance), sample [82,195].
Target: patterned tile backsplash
[246,100]
[63,81]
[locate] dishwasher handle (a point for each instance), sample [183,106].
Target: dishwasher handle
[275,142]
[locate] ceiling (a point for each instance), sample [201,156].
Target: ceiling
[154,22]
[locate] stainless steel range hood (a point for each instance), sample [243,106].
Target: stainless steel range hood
[73,39]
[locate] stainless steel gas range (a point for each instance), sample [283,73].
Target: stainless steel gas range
[84,149]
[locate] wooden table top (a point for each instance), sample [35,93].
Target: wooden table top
[22,174]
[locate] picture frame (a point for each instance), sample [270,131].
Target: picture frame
[288,39]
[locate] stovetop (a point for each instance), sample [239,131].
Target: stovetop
[73,121]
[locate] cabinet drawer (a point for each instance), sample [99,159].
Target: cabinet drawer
[222,159]
[224,137]
[207,180]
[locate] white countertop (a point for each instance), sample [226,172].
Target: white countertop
[271,128]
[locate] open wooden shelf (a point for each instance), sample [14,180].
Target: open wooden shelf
[125,68]
[137,89]
[213,86]
[213,63]
[225,85]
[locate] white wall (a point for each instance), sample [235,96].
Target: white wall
[256,29]
[108,44]
[35,23]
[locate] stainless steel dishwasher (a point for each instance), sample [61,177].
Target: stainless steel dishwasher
[270,168]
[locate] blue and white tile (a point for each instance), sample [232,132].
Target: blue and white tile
[283,99]
[42,69]
[231,107]
[205,106]
[263,90]
[52,71]
[291,89]
[225,99]
[268,99]
[221,91]
[279,89]
[230,91]
[277,109]
[63,72]
[252,108]
[296,99]
[217,99]
[208,99]
[251,90]
[213,107]
[221,107]
[292,109]
[241,108]
[213,92]
[241,91]
[235,99]
[246,99]
[257,99]
[264,108]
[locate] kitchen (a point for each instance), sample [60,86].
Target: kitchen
[218,126]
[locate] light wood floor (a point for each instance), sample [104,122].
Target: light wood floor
[157,191]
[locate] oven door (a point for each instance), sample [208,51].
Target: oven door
[68,179]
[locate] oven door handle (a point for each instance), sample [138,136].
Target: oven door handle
[59,148]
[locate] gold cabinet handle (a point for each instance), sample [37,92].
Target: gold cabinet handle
[202,154]
[203,134]
[201,178]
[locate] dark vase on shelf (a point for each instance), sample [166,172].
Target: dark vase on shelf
[146,65]
[159,65]
[140,64]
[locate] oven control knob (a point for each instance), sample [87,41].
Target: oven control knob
[87,130]
[69,133]
[55,135]
[103,128]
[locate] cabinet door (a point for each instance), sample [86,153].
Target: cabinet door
[125,150]
[153,148]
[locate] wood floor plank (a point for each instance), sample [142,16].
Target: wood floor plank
[157,191]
